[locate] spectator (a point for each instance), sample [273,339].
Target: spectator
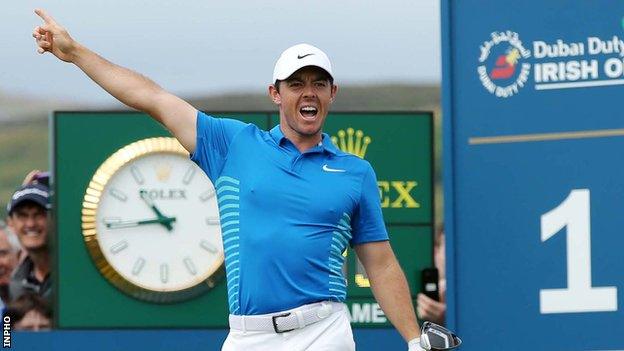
[9,255]
[29,312]
[428,308]
[28,218]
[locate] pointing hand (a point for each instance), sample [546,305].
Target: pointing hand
[51,37]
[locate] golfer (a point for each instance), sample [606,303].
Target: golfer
[290,202]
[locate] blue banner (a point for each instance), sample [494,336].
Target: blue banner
[166,340]
[533,184]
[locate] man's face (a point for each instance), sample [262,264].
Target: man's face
[30,222]
[304,100]
[8,259]
[33,321]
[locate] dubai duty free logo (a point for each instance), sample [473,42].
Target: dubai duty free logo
[503,69]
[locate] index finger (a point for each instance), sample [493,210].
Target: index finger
[44,15]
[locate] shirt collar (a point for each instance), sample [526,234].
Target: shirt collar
[277,135]
[326,143]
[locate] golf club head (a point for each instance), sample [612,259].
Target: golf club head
[437,338]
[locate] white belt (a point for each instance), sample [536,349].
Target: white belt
[281,322]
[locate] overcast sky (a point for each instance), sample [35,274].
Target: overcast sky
[194,47]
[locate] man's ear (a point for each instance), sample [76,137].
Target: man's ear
[334,91]
[274,95]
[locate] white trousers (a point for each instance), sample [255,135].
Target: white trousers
[330,334]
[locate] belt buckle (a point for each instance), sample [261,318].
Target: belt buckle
[273,318]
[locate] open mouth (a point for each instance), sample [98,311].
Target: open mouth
[308,112]
[32,233]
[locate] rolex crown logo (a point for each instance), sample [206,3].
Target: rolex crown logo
[351,141]
[163,172]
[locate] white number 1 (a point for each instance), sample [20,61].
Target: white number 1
[579,296]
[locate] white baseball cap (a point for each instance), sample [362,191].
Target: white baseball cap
[298,56]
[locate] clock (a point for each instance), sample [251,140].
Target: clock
[150,222]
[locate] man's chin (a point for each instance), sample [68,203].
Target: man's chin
[36,248]
[309,131]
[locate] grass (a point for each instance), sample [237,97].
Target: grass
[23,147]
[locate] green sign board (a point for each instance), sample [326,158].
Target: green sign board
[398,145]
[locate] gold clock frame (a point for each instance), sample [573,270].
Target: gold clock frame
[90,204]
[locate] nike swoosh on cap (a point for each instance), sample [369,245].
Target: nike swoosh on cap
[302,56]
[327,169]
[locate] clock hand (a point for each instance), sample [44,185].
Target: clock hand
[150,203]
[128,224]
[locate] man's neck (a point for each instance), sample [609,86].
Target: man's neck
[41,263]
[301,142]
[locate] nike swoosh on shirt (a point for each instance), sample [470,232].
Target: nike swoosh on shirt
[327,169]
[302,56]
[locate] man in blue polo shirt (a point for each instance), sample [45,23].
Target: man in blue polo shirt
[290,202]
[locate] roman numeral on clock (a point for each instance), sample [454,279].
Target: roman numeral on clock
[164,273]
[138,266]
[136,174]
[120,246]
[190,266]
[207,195]
[118,195]
[212,220]
[208,246]
[188,176]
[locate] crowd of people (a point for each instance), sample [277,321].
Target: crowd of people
[25,285]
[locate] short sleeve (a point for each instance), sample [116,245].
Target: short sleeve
[367,221]
[214,136]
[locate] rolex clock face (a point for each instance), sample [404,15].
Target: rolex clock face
[151,222]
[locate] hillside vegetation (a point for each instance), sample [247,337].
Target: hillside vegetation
[23,147]
[387,97]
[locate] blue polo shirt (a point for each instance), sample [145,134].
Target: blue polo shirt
[286,216]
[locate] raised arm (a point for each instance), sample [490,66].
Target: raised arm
[127,86]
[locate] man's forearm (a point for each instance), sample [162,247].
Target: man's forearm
[131,88]
[392,293]
[127,86]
